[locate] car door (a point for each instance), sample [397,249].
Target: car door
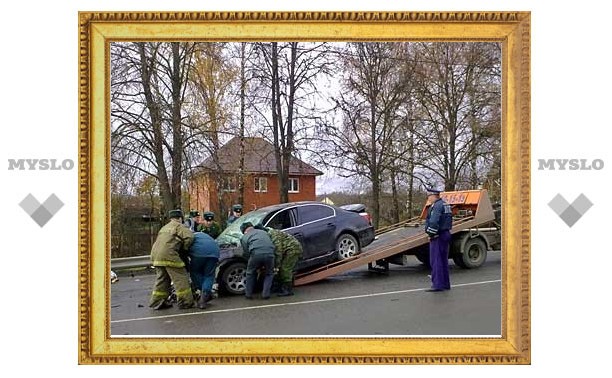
[286,220]
[317,225]
[282,220]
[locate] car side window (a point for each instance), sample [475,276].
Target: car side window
[282,220]
[311,213]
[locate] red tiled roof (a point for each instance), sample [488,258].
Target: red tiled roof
[258,158]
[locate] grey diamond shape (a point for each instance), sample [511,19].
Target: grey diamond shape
[582,204]
[41,213]
[41,216]
[570,216]
[558,204]
[570,213]
[53,204]
[29,204]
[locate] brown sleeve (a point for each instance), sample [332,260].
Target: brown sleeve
[185,235]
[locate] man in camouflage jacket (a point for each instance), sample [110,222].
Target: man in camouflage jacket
[209,226]
[173,240]
[287,251]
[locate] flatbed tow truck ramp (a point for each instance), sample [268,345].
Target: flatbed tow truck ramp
[475,230]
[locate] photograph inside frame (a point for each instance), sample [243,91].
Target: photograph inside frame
[304,187]
[318,189]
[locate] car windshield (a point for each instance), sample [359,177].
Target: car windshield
[232,234]
[356,207]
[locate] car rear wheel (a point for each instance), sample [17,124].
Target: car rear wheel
[347,246]
[233,278]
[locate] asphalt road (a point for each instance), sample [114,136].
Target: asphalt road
[356,303]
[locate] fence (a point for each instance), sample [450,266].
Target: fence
[128,245]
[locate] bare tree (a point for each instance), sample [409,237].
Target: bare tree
[148,86]
[373,90]
[290,72]
[405,112]
[212,78]
[459,90]
[241,131]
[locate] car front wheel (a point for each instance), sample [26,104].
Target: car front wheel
[233,278]
[347,246]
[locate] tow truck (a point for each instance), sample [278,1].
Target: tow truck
[476,229]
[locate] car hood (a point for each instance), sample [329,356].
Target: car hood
[228,251]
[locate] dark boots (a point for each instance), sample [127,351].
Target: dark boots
[204,299]
[267,285]
[286,290]
[202,302]
[208,296]
[161,305]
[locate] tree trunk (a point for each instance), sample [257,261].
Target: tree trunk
[279,131]
[374,168]
[240,183]
[177,124]
[411,149]
[147,69]
[395,199]
[288,146]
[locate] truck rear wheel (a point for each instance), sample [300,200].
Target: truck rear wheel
[473,254]
[423,256]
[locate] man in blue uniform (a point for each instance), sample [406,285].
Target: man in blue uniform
[438,224]
[236,213]
[193,221]
[204,255]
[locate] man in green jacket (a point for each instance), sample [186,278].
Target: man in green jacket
[287,252]
[172,240]
[209,226]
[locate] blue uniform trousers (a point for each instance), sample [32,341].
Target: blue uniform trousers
[438,259]
[256,262]
[202,270]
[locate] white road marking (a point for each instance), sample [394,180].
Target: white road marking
[294,303]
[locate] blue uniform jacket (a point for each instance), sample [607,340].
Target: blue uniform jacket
[257,242]
[203,246]
[439,218]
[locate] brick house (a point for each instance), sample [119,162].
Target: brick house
[261,184]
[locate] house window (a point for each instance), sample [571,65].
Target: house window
[294,185]
[261,184]
[229,184]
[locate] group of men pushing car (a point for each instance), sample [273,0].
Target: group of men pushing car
[186,255]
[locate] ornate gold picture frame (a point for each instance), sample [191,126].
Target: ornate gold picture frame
[98,29]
